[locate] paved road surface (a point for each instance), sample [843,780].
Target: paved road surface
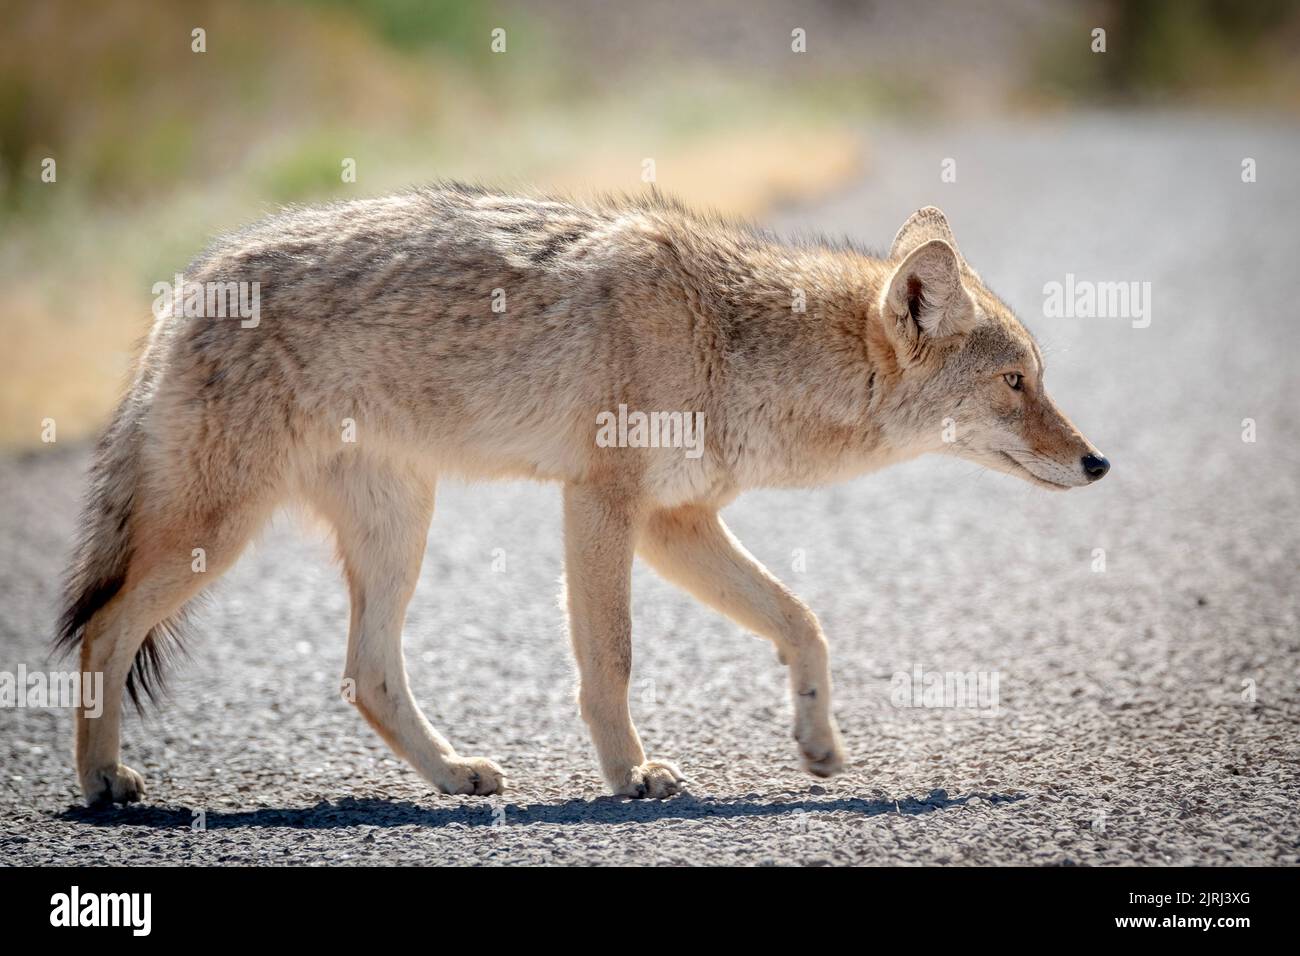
[1147,713]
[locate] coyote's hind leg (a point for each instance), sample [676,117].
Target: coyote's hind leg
[159,581]
[381,513]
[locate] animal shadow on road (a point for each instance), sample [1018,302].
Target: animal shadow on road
[369,811]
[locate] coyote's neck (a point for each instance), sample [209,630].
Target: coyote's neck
[808,396]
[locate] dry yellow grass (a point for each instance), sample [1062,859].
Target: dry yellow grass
[737,172]
[69,369]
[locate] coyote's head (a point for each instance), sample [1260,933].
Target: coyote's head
[963,356]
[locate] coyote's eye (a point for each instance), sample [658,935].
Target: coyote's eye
[1014,379]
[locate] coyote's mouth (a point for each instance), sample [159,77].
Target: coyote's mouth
[1023,471]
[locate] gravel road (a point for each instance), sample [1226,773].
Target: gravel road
[1147,709]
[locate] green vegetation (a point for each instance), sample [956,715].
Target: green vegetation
[1178,51]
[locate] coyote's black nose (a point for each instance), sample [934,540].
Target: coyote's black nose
[1095,466]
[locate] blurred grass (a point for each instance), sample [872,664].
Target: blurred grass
[158,148]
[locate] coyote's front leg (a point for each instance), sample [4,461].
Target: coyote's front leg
[691,547]
[600,527]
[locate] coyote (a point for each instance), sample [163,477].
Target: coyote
[455,331]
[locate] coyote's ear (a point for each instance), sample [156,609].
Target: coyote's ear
[922,226]
[925,295]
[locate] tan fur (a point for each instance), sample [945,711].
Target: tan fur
[379,311]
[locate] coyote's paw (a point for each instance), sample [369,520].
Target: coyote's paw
[473,775]
[655,779]
[109,785]
[821,751]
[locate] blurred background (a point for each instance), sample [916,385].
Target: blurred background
[1145,631]
[157,146]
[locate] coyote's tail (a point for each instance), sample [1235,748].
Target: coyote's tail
[104,547]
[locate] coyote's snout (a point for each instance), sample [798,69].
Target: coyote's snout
[453,331]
